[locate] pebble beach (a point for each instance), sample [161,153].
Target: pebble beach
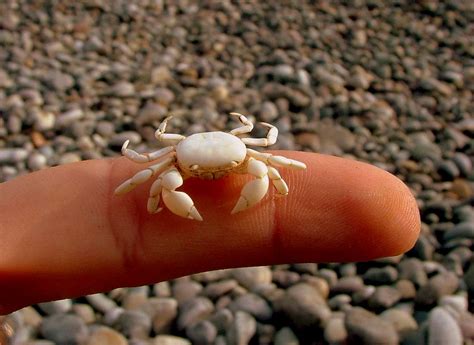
[389,83]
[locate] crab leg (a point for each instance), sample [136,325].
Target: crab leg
[269,140]
[171,139]
[142,176]
[277,161]
[247,125]
[144,157]
[254,190]
[179,203]
[279,184]
[154,198]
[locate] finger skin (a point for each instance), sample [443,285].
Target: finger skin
[65,233]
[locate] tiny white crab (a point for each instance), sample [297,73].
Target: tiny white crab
[209,155]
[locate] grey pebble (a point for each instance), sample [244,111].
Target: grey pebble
[202,333]
[251,277]
[122,89]
[64,329]
[162,311]
[285,278]
[402,321]
[185,290]
[37,161]
[469,277]
[56,307]
[348,285]
[310,268]
[286,336]
[101,302]
[443,328]
[69,117]
[84,311]
[254,305]
[68,158]
[367,328]
[134,324]
[303,305]
[437,287]
[222,319]
[463,163]
[412,269]
[103,335]
[384,297]
[169,340]
[217,289]
[59,81]
[461,230]
[193,311]
[335,331]
[12,155]
[448,170]
[242,329]
[339,301]
[380,276]
[44,120]
[119,138]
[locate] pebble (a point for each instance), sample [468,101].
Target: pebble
[254,305]
[101,302]
[162,311]
[286,336]
[64,329]
[463,163]
[59,81]
[406,289]
[402,321]
[348,285]
[412,269]
[437,287]
[84,311]
[31,317]
[106,336]
[37,161]
[448,170]
[122,89]
[162,289]
[69,117]
[169,340]
[134,324]
[380,276]
[384,297]
[368,328]
[335,331]
[193,311]
[242,329]
[251,277]
[202,333]
[469,278]
[303,305]
[217,289]
[12,155]
[461,230]
[222,319]
[443,328]
[56,307]
[44,120]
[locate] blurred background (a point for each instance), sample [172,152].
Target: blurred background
[385,82]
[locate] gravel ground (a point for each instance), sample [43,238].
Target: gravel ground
[386,82]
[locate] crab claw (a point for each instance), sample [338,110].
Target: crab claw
[180,204]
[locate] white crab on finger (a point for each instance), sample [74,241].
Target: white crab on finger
[209,155]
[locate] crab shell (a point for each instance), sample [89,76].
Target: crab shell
[211,155]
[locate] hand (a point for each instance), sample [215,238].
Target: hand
[63,232]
